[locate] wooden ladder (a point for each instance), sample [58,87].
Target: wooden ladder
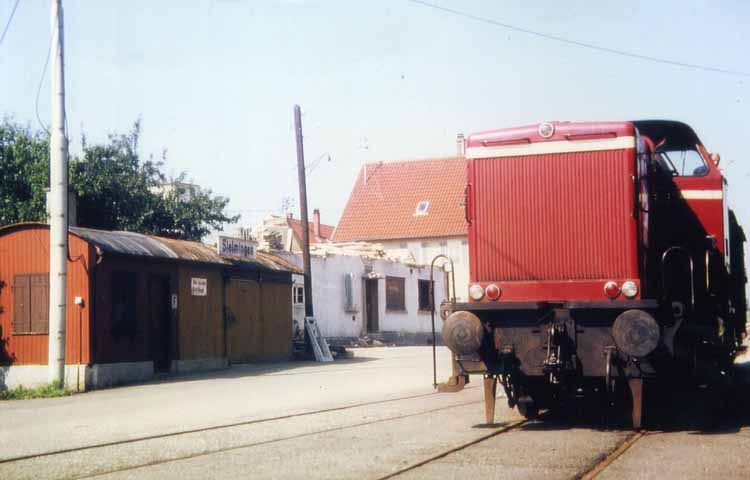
[318,342]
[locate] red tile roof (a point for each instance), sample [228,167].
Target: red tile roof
[383,207]
[296,225]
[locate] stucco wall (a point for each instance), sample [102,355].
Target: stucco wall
[329,295]
[424,250]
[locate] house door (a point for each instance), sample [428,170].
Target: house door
[159,311]
[371,305]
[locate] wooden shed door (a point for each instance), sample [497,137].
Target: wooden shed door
[244,328]
[159,310]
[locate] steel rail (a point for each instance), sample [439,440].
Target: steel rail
[215,451]
[503,429]
[602,465]
[211,428]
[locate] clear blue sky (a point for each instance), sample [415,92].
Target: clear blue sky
[214,81]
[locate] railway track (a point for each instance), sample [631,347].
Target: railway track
[604,463]
[91,450]
[503,429]
[189,438]
[207,429]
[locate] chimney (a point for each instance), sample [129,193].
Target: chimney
[316,224]
[460,145]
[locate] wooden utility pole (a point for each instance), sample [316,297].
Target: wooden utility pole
[58,221]
[303,213]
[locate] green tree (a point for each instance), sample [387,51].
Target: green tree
[24,173]
[116,189]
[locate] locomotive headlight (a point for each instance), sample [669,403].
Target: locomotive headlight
[476,292]
[629,289]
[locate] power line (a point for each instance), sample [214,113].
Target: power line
[590,46]
[39,90]
[10,19]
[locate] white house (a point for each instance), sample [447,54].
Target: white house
[358,290]
[413,208]
[278,232]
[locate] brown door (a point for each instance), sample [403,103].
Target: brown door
[159,315]
[371,305]
[244,323]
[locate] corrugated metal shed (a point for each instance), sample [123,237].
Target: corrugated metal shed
[149,246]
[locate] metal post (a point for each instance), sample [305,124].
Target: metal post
[303,213]
[58,232]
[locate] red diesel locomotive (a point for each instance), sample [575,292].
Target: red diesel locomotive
[601,254]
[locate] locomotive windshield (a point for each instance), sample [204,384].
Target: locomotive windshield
[675,147]
[681,162]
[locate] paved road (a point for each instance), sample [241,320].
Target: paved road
[362,418]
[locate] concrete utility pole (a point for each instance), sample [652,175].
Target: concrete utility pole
[303,212]
[58,222]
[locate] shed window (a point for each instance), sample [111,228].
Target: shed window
[394,293]
[425,303]
[124,313]
[298,294]
[31,303]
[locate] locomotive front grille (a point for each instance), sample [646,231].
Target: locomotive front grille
[561,216]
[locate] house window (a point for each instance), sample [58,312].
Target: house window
[31,303]
[124,302]
[298,294]
[425,304]
[422,208]
[349,304]
[394,294]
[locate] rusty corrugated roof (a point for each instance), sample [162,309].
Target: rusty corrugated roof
[150,246]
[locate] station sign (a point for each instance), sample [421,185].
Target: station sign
[236,247]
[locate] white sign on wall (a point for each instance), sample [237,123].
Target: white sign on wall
[236,247]
[198,287]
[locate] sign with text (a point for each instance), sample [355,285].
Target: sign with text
[198,287]
[236,247]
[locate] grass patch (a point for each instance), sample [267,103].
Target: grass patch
[45,391]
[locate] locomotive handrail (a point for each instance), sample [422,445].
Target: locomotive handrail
[664,256]
[432,309]
[467,208]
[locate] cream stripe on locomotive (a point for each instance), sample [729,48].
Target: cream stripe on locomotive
[540,148]
[702,194]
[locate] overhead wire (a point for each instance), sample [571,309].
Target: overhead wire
[39,89]
[590,46]
[10,19]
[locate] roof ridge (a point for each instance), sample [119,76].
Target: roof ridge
[413,160]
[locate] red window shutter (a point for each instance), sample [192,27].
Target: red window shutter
[21,304]
[40,303]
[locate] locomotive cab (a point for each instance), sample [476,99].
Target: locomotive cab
[600,254]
